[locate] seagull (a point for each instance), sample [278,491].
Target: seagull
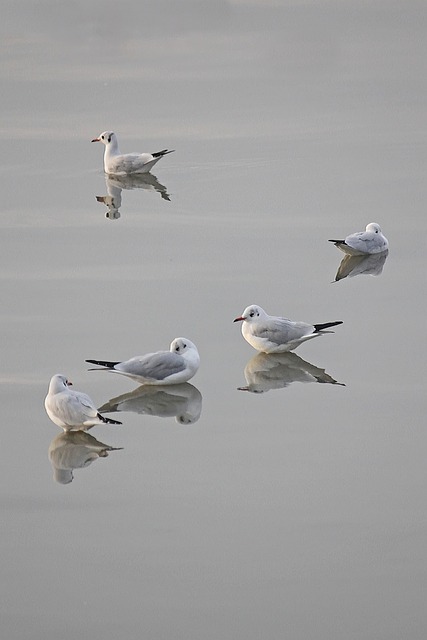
[116,163]
[69,409]
[369,241]
[177,365]
[272,334]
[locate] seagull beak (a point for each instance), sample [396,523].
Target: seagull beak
[96,140]
[239,319]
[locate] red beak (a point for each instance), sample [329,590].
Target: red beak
[238,319]
[96,140]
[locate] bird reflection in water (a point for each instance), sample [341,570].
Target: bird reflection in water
[361,265]
[278,370]
[115,185]
[182,401]
[75,450]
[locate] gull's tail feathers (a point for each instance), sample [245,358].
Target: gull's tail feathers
[108,420]
[160,154]
[103,363]
[320,327]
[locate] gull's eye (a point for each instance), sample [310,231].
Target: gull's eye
[177,348]
[252,313]
[102,137]
[184,346]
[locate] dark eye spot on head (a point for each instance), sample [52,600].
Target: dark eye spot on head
[109,138]
[183,346]
[252,314]
[102,137]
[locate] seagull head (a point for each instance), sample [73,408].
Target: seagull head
[106,137]
[374,227]
[182,346]
[58,383]
[251,314]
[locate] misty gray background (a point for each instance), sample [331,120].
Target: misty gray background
[298,513]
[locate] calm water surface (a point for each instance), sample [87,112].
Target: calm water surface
[295,508]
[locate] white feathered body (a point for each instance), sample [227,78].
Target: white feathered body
[175,366]
[365,242]
[274,334]
[70,409]
[277,336]
[119,164]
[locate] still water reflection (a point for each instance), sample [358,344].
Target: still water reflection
[183,401]
[267,371]
[361,265]
[75,450]
[116,184]
[292,122]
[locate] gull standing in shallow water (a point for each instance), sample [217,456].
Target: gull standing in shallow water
[177,365]
[272,334]
[69,409]
[369,241]
[116,163]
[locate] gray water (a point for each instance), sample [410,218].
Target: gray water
[298,512]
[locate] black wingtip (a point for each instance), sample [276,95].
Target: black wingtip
[326,325]
[163,152]
[103,363]
[108,420]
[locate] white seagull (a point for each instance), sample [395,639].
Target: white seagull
[116,163]
[177,365]
[69,409]
[369,241]
[272,334]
